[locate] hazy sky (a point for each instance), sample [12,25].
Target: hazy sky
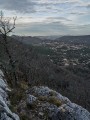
[49,17]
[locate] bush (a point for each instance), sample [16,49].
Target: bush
[42,98]
[55,101]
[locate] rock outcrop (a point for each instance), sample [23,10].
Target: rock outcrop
[5,112]
[51,105]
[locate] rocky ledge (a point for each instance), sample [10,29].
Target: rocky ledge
[48,104]
[5,112]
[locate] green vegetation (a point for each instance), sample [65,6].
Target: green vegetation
[43,98]
[51,99]
[55,101]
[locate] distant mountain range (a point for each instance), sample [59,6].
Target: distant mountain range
[84,39]
[28,39]
[49,37]
[34,39]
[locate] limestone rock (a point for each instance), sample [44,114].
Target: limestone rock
[71,112]
[5,112]
[31,99]
[52,105]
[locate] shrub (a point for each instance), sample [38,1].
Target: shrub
[42,98]
[24,85]
[55,101]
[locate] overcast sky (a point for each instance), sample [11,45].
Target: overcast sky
[49,17]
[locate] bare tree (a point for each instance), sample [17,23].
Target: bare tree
[7,25]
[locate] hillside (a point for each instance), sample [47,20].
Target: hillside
[28,39]
[37,66]
[85,39]
[37,102]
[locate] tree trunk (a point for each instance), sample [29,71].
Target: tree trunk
[11,63]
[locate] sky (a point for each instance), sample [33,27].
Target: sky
[48,17]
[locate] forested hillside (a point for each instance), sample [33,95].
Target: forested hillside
[35,65]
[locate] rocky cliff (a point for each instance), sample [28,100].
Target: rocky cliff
[5,112]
